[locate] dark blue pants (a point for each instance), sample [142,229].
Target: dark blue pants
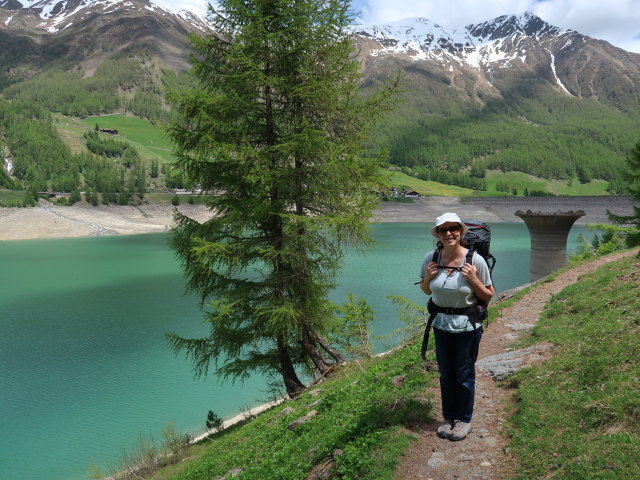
[456,354]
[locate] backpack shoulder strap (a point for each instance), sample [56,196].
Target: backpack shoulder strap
[469,257]
[436,255]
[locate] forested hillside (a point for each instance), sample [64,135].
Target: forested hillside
[131,82]
[537,131]
[456,124]
[42,162]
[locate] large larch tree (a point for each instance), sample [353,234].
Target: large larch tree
[273,133]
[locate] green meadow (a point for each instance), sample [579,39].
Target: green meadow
[426,187]
[577,415]
[516,180]
[150,140]
[10,198]
[521,181]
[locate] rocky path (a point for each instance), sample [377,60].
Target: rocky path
[482,454]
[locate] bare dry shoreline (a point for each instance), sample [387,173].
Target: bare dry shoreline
[50,221]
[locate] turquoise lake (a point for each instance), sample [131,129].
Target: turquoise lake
[85,368]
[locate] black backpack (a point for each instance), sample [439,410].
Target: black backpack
[479,239]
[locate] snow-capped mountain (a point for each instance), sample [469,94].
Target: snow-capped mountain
[486,58]
[86,32]
[494,41]
[58,15]
[490,56]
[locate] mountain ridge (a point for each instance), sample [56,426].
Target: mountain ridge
[507,42]
[89,31]
[514,93]
[54,13]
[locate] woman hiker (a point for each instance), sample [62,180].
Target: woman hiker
[455,286]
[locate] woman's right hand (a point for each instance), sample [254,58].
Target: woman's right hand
[429,272]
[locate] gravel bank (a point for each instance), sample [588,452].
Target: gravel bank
[50,221]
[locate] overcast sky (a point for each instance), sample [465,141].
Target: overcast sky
[617,21]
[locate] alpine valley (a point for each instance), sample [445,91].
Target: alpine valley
[501,105]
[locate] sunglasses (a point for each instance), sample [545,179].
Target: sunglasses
[452,229]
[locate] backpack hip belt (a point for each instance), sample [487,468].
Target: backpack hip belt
[476,314]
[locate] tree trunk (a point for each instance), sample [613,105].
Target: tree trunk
[339,358]
[291,381]
[314,354]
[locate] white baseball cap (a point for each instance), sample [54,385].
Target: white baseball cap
[448,217]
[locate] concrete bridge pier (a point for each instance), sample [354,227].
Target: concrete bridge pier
[549,233]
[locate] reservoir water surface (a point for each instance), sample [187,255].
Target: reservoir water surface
[84,365]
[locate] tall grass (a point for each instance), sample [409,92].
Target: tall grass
[11,198]
[578,414]
[147,456]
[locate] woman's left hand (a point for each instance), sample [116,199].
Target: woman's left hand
[483,292]
[469,272]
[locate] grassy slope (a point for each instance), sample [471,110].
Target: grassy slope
[519,180]
[71,130]
[424,187]
[578,414]
[577,417]
[148,139]
[358,411]
[9,197]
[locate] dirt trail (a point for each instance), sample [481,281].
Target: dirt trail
[482,454]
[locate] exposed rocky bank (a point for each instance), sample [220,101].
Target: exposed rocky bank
[50,221]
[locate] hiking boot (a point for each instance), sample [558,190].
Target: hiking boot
[460,430]
[444,430]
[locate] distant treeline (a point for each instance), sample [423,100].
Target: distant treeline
[129,81]
[536,131]
[43,162]
[434,134]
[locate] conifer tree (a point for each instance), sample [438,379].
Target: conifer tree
[633,176]
[275,128]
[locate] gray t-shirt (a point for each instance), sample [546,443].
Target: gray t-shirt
[454,291]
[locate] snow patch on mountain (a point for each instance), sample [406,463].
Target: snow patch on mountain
[558,81]
[497,42]
[57,13]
